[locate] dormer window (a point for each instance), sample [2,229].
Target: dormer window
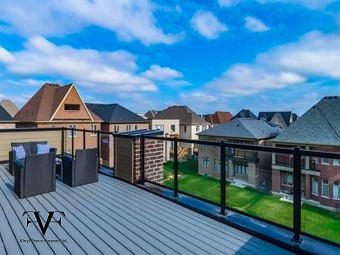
[71,107]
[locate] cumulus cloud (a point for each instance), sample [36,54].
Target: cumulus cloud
[228,3]
[314,55]
[130,19]
[255,25]
[103,71]
[5,56]
[198,96]
[161,73]
[313,4]
[207,25]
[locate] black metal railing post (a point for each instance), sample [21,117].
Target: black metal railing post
[175,167]
[142,149]
[84,139]
[72,143]
[98,144]
[297,195]
[223,184]
[62,140]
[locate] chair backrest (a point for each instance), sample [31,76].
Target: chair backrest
[86,165]
[30,147]
[39,172]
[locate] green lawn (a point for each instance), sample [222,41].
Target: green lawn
[316,221]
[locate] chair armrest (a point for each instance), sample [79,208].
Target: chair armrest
[19,177]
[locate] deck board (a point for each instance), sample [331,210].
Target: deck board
[112,217]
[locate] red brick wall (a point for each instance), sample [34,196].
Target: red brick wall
[276,180]
[154,159]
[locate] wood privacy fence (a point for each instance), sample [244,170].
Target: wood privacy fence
[8,136]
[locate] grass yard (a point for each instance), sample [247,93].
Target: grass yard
[316,221]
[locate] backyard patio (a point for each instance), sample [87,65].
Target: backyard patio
[112,217]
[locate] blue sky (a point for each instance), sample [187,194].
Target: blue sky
[225,55]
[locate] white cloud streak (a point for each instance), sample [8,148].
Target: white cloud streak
[255,25]
[129,19]
[158,73]
[207,25]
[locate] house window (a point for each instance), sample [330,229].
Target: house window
[197,128]
[160,127]
[116,128]
[128,127]
[217,165]
[325,161]
[325,188]
[71,107]
[206,161]
[315,186]
[185,129]
[173,128]
[74,131]
[93,128]
[336,162]
[336,191]
[287,178]
[136,127]
[241,168]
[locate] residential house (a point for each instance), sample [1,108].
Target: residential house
[317,129]
[170,129]
[245,113]
[251,167]
[217,118]
[60,106]
[9,106]
[6,120]
[116,119]
[151,114]
[282,119]
[189,124]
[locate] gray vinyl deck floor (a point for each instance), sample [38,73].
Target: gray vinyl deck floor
[112,217]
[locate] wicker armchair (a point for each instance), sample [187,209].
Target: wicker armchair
[81,170]
[29,147]
[35,176]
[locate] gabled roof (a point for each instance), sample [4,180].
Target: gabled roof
[245,113]
[182,113]
[45,103]
[5,116]
[9,106]
[286,116]
[115,113]
[151,114]
[218,117]
[243,128]
[318,126]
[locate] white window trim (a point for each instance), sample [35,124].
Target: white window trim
[94,133]
[70,131]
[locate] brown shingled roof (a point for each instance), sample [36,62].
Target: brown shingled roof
[43,105]
[219,117]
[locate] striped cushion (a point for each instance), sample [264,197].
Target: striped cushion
[43,148]
[19,152]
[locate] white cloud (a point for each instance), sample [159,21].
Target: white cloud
[161,73]
[255,25]
[228,3]
[101,71]
[313,4]
[129,19]
[242,79]
[207,25]
[5,56]
[314,55]
[198,96]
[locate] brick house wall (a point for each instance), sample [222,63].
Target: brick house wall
[6,125]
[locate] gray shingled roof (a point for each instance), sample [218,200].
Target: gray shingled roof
[320,125]
[4,115]
[115,113]
[182,113]
[245,113]
[245,128]
[285,116]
